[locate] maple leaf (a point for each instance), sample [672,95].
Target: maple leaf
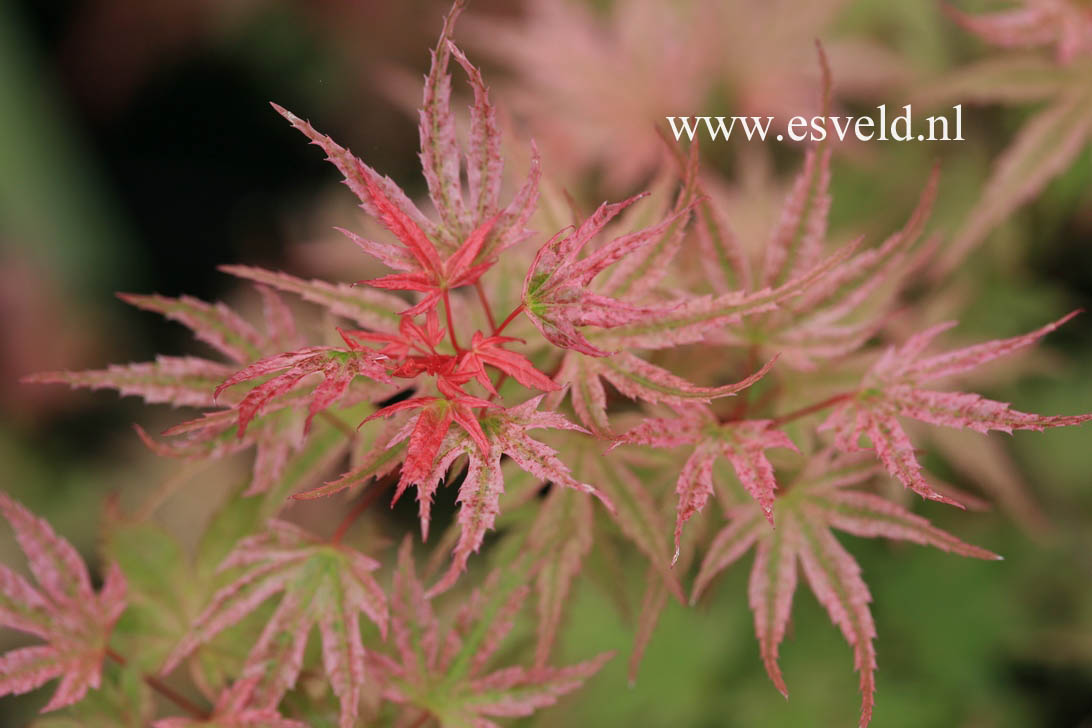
[189,381]
[635,378]
[694,319]
[505,433]
[742,443]
[65,611]
[473,229]
[322,583]
[1054,136]
[444,675]
[362,305]
[489,350]
[893,388]
[426,432]
[844,308]
[338,368]
[636,511]
[818,500]
[180,381]
[555,290]
[232,710]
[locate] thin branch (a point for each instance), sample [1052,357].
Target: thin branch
[485,305]
[511,317]
[377,489]
[168,488]
[165,690]
[496,389]
[346,428]
[450,323]
[813,408]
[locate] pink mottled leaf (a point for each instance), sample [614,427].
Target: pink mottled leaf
[730,543]
[361,305]
[638,274]
[489,350]
[452,684]
[215,324]
[636,514]
[892,389]
[358,176]
[797,240]
[337,367]
[741,443]
[181,381]
[74,621]
[479,495]
[1041,151]
[555,290]
[819,499]
[835,579]
[322,583]
[693,319]
[637,379]
[770,592]
[870,516]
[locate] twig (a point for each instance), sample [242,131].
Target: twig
[811,409]
[515,312]
[346,429]
[450,323]
[377,489]
[165,690]
[485,305]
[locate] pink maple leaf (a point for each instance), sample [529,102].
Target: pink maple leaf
[742,443]
[893,389]
[74,621]
[426,432]
[505,430]
[445,675]
[473,229]
[556,296]
[818,500]
[635,378]
[338,368]
[321,583]
[187,381]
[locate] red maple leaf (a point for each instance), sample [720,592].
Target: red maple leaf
[490,350]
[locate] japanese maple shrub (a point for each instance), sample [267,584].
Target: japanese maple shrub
[450,370]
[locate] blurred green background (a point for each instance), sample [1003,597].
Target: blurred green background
[138,151]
